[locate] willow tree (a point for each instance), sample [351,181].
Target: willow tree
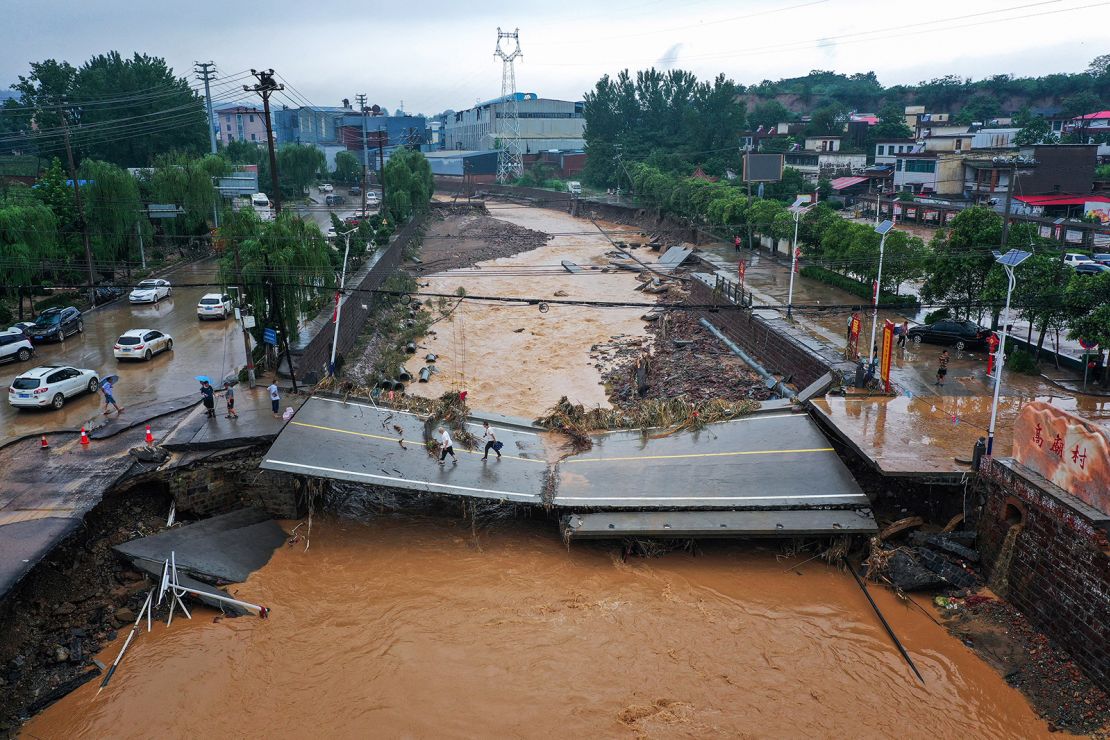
[28,239]
[284,266]
[187,183]
[113,210]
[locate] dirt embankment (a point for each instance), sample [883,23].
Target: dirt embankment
[461,236]
[71,605]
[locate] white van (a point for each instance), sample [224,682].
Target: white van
[574,187]
[260,200]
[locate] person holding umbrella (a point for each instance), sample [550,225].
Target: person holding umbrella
[109,400]
[207,396]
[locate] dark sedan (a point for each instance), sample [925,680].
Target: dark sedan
[1091,268]
[962,334]
[55,324]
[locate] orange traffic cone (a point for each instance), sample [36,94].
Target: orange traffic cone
[84,437]
[149,436]
[44,445]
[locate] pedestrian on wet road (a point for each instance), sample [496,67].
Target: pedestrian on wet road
[109,399]
[736,243]
[446,447]
[275,398]
[208,398]
[942,369]
[229,396]
[903,334]
[491,441]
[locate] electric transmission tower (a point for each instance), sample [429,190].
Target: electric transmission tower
[510,161]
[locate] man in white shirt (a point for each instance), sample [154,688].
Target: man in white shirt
[491,441]
[446,447]
[275,398]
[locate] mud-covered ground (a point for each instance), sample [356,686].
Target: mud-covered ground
[463,235]
[1053,683]
[72,604]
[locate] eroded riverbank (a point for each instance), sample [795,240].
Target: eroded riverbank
[411,626]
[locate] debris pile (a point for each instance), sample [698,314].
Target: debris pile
[926,561]
[684,361]
[462,236]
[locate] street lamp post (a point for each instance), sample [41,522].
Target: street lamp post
[339,297]
[1009,261]
[800,207]
[883,229]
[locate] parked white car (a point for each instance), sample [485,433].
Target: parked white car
[141,344]
[51,385]
[1074,258]
[14,345]
[214,306]
[150,291]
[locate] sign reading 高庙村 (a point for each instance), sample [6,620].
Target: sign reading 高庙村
[1068,451]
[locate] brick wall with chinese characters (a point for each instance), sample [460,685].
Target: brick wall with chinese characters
[1071,452]
[1060,570]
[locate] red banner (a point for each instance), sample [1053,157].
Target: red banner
[886,353]
[335,311]
[741,269]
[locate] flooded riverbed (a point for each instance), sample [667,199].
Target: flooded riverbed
[408,626]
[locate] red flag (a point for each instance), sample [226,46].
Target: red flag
[797,256]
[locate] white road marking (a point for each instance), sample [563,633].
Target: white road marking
[600,499]
[497,494]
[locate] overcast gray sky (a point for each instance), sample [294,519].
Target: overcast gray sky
[438,54]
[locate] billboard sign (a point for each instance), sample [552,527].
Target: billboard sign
[1070,452]
[763,167]
[886,353]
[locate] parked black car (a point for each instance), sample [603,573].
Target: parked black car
[1091,268]
[354,190]
[55,324]
[962,334]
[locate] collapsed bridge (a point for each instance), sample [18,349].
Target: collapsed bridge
[770,474]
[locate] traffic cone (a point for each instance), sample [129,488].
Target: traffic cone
[84,437]
[149,436]
[44,445]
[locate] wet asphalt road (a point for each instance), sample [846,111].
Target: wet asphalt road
[212,348]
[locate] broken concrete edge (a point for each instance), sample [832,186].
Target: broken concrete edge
[220,444]
[93,435]
[154,570]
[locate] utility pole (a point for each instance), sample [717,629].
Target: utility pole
[243,319]
[81,221]
[206,71]
[265,88]
[381,167]
[361,98]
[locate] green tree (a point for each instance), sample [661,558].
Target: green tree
[113,210]
[299,166]
[241,151]
[1088,301]
[892,125]
[28,238]
[981,108]
[828,119]
[961,259]
[408,184]
[187,183]
[769,113]
[347,167]
[1034,129]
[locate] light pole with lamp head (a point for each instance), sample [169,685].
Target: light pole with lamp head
[339,296]
[799,209]
[883,229]
[1009,261]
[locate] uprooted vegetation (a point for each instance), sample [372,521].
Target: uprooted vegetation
[663,416]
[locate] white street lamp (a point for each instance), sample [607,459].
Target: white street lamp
[339,298]
[884,229]
[799,209]
[1009,261]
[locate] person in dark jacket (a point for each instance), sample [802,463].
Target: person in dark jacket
[208,398]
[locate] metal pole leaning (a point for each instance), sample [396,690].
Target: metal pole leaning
[1009,262]
[130,636]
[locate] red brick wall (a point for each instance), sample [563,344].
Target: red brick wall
[1060,571]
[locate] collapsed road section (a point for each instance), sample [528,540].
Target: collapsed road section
[771,461]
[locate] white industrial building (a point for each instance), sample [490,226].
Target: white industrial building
[544,124]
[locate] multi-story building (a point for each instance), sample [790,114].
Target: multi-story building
[543,123]
[316,125]
[929,173]
[887,150]
[817,165]
[240,123]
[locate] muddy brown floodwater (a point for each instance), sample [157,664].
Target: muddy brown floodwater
[405,626]
[512,359]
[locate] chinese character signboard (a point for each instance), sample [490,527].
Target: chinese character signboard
[886,353]
[1068,451]
[741,269]
[853,335]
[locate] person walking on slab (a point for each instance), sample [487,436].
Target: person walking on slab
[109,399]
[229,396]
[491,441]
[446,447]
[942,367]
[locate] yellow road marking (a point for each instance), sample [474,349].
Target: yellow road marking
[396,439]
[696,454]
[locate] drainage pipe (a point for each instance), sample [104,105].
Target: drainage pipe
[425,373]
[775,386]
